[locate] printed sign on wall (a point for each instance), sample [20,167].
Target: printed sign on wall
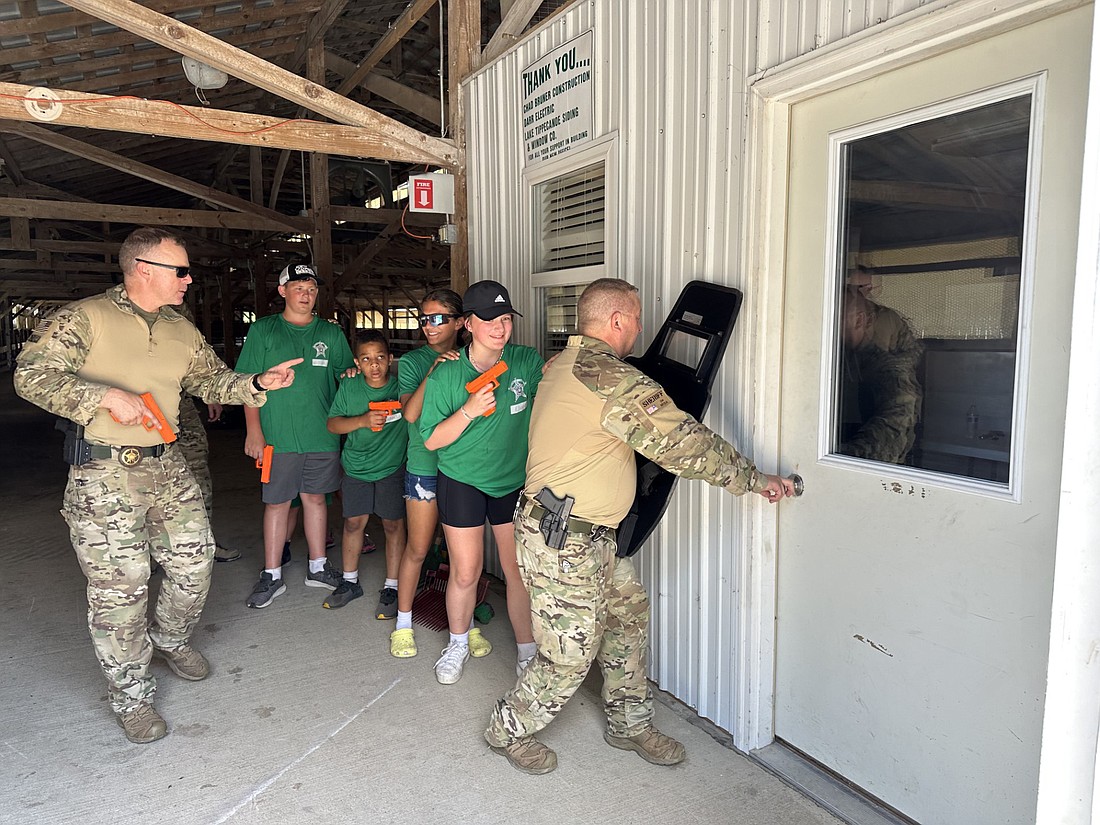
[558,100]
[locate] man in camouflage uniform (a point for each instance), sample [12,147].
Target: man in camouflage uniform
[880,393]
[130,497]
[592,412]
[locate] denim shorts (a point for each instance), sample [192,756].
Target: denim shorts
[419,488]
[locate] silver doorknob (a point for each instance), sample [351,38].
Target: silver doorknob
[799,485]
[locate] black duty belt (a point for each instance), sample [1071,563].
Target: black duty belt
[573,525]
[128,456]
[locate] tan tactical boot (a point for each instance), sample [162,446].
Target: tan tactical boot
[652,745]
[223,553]
[142,725]
[529,755]
[185,661]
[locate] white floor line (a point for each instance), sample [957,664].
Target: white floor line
[271,780]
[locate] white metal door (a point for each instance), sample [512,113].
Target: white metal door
[914,604]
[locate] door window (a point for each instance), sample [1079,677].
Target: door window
[928,291]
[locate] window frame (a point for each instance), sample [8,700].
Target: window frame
[836,260]
[605,150]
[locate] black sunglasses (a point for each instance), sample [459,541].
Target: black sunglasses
[436,318]
[181,271]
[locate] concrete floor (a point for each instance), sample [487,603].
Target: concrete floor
[306,717]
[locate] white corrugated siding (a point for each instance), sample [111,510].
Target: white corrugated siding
[671,81]
[787,29]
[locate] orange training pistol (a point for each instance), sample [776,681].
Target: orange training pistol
[389,406]
[264,464]
[161,423]
[490,378]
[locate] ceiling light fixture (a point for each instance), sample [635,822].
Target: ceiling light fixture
[203,76]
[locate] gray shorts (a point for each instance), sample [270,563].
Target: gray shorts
[383,497]
[295,473]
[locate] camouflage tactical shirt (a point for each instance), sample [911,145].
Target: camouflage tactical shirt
[89,346]
[593,411]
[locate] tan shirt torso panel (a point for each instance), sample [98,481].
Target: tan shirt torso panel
[126,354]
[571,452]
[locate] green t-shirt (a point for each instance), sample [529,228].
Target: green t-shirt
[295,418]
[411,370]
[369,455]
[491,453]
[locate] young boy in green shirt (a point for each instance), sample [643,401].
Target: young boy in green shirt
[374,467]
[306,460]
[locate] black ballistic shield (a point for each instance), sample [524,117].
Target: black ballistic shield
[683,358]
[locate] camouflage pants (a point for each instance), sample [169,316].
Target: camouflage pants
[586,605]
[196,451]
[118,517]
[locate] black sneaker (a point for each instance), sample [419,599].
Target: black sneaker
[387,604]
[328,577]
[266,590]
[344,593]
[330,540]
[286,552]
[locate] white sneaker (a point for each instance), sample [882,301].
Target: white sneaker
[448,669]
[522,664]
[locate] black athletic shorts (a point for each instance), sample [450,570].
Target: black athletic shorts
[461,505]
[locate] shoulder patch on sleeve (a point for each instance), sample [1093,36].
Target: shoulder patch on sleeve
[40,330]
[654,401]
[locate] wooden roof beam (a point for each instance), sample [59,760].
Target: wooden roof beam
[110,213]
[318,27]
[422,105]
[73,19]
[196,123]
[515,20]
[401,26]
[191,42]
[133,167]
[10,167]
[88,43]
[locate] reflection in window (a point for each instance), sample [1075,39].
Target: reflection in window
[929,305]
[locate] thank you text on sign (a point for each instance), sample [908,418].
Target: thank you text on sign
[557,100]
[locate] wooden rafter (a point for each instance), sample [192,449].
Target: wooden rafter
[369,253]
[322,21]
[515,20]
[401,26]
[60,210]
[195,123]
[141,170]
[11,168]
[191,42]
[92,44]
[420,104]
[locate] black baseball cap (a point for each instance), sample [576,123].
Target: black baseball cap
[298,272]
[487,300]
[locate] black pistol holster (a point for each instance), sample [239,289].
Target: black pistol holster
[75,451]
[553,525]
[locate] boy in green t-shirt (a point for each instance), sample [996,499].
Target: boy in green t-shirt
[306,460]
[367,411]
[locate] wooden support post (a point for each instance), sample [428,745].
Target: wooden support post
[463,36]
[256,174]
[208,311]
[319,197]
[225,288]
[261,268]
